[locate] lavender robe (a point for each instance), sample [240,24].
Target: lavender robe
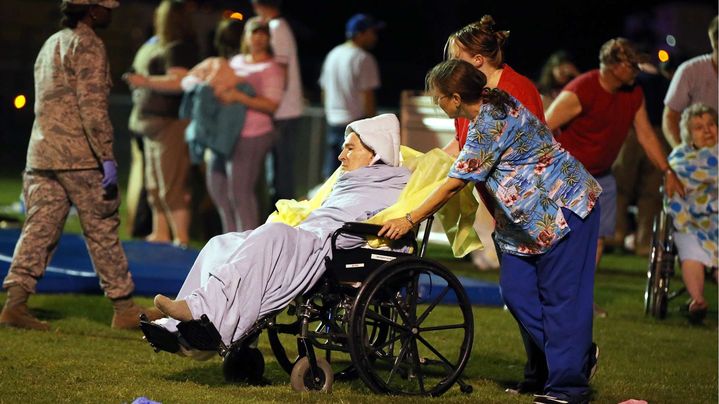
[239,277]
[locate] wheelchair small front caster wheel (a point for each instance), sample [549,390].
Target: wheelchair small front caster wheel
[466,388]
[302,380]
[244,365]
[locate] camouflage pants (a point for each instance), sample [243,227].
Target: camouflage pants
[48,197]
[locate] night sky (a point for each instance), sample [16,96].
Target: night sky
[415,34]
[417,30]
[411,43]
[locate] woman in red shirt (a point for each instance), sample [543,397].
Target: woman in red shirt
[479,44]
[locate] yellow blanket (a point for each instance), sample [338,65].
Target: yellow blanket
[429,170]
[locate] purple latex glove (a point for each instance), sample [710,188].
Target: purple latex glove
[110,169]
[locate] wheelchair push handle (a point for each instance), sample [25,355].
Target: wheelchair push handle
[368,229]
[363,230]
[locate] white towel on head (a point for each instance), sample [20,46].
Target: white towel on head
[381,134]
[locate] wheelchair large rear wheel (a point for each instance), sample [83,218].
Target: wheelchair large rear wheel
[429,324]
[660,269]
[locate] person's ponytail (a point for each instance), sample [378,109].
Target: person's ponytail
[500,100]
[480,38]
[502,37]
[486,22]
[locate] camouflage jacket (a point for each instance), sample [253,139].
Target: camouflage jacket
[72,129]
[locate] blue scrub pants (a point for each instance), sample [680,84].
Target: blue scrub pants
[551,295]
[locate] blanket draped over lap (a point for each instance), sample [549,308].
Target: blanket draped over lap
[239,277]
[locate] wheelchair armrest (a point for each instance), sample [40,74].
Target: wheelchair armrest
[366,229]
[360,228]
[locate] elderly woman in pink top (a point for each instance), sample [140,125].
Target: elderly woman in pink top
[231,182]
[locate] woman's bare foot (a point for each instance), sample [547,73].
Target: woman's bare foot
[177,309]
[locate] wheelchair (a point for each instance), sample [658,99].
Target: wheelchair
[399,322]
[662,262]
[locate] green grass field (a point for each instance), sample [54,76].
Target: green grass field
[83,360]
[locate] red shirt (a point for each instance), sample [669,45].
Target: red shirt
[518,87]
[595,136]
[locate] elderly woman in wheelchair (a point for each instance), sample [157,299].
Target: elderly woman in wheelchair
[346,297]
[694,216]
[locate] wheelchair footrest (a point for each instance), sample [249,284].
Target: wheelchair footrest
[202,335]
[160,338]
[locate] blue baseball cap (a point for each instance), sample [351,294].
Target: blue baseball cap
[360,23]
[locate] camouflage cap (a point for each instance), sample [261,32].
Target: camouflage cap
[103,3]
[620,50]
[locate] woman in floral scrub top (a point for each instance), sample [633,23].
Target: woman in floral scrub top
[547,220]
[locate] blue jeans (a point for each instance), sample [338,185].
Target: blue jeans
[608,200]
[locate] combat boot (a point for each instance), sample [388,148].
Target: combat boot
[16,314]
[127,314]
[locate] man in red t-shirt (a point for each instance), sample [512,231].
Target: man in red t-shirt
[595,112]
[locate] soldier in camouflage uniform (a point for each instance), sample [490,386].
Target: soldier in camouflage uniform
[70,162]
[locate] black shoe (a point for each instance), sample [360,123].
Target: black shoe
[593,361]
[526,387]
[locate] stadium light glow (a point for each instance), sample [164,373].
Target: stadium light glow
[19,101]
[663,55]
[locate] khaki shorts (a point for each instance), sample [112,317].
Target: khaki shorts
[167,165]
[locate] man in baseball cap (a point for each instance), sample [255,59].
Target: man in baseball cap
[360,23]
[349,79]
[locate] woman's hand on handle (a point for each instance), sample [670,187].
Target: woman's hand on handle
[394,229]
